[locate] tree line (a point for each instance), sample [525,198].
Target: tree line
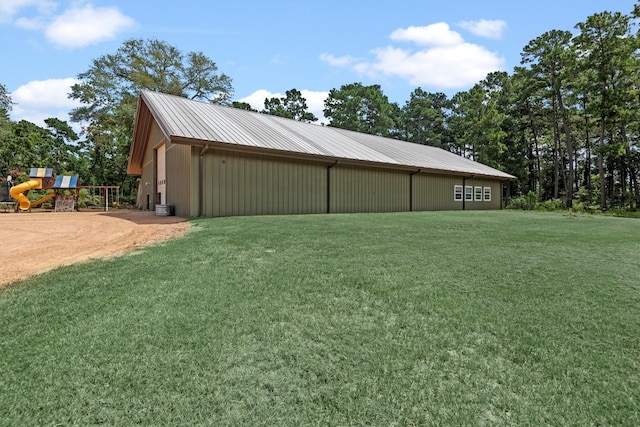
[564,122]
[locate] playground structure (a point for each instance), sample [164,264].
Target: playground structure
[45,179]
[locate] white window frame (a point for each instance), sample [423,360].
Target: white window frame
[468,193]
[477,191]
[458,193]
[486,194]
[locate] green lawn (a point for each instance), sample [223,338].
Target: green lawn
[434,318]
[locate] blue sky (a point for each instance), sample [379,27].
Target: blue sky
[270,46]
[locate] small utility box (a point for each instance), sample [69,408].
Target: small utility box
[164,210]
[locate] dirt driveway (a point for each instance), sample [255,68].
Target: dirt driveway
[36,242]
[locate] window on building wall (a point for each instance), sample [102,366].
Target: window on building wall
[478,193]
[457,193]
[468,193]
[487,194]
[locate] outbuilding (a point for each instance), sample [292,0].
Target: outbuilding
[210,160]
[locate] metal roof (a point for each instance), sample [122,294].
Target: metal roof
[41,173]
[199,123]
[63,181]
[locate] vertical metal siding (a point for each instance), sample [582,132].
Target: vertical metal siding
[355,189]
[161,174]
[149,173]
[435,192]
[178,159]
[244,184]
[496,189]
[194,178]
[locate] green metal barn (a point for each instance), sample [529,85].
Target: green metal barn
[210,160]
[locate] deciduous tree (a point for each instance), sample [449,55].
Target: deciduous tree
[108,92]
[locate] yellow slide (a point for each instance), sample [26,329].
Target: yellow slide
[17,192]
[42,200]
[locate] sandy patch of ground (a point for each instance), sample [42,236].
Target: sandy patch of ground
[36,242]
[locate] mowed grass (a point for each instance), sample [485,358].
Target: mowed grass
[434,318]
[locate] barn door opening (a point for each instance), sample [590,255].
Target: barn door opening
[161,175]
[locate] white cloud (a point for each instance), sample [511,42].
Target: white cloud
[315,101]
[256,99]
[437,34]
[491,29]
[10,8]
[442,60]
[442,67]
[29,23]
[80,27]
[42,99]
[335,61]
